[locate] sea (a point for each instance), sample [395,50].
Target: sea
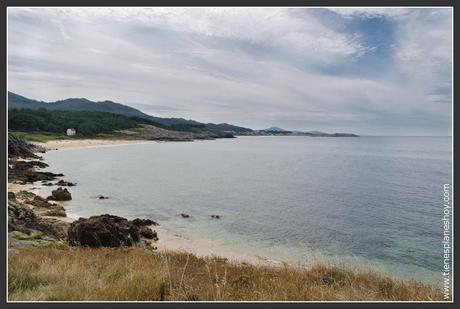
[367,203]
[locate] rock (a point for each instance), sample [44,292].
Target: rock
[20,218]
[18,147]
[142,222]
[60,194]
[11,196]
[60,227]
[47,183]
[185,215]
[56,212]
[103,231]
[147,232]
[23,219]
[39,201]
[36,239]
[215,216]
[25,195]
[65,183]
[102,197]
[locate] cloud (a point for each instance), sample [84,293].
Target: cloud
[254,67]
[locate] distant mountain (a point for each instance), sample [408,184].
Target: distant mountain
[82,104]
[275,129]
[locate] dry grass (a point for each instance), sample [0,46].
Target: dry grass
[137,274]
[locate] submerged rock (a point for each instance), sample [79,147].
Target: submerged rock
[185,215]
[102,197]
[60,194]
[215,216]
[103,231]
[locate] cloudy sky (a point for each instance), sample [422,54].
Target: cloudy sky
[367,71]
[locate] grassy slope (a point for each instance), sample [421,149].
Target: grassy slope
[137,274]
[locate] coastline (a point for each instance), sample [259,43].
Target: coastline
[168,240]
[245,270]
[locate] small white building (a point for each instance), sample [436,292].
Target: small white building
[71,131]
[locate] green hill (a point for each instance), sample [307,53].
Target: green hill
[82,104]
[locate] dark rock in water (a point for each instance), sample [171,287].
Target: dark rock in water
[142,222]
[11,196]
[185,216]
[147,232]
[65,183]
[215,216]
[60,194]
[103,231]
[101,197]
[47,183]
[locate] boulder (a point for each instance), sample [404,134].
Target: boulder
[103,231]
[60,194]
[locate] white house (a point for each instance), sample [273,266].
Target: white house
[71,131]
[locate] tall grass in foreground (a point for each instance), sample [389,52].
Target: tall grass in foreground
[137,274]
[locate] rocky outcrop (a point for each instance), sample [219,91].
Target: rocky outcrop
[23,219]
[110,231]
[24,171]
[60,194]
[18,147]
[103,231]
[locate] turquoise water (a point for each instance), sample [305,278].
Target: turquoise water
[367,201]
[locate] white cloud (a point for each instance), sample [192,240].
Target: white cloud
[251,67]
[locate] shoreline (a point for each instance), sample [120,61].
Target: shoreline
[168,239]
[63,144]
[175,250]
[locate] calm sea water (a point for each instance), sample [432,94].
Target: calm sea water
[367,202]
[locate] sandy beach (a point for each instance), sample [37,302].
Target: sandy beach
[84,143]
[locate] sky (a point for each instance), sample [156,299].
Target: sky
[375,71]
